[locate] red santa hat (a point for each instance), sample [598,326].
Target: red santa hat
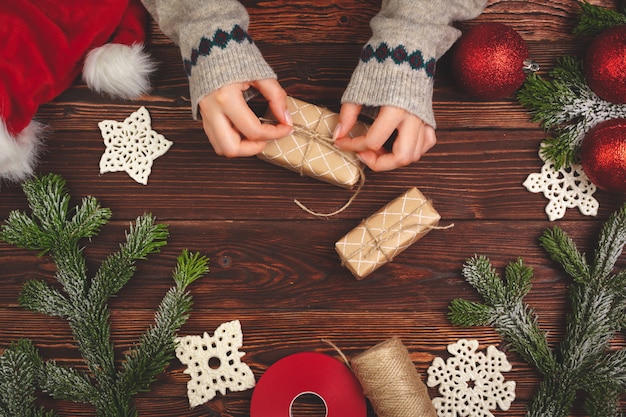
[44,46]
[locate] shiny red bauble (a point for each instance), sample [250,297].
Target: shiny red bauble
[605,65]
[603,155]
[488,61]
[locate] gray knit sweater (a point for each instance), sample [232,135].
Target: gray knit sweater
[396,66]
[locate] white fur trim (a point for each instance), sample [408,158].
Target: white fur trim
[18,154]
[119,70]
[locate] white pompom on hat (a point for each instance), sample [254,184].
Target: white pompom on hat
[44,46]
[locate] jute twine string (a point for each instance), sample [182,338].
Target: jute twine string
[391,382]
[377,240]
[312,135]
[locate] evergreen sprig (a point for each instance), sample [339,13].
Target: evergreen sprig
[566,106]
[595,19]
[54,229]
[20,366]
[585,361]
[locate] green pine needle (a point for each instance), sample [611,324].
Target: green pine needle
[482,276]
[82,300]
[566,106]
[468,313]
[611,243]
[20,366]
[595,19]
[38,296]
[518,281]
[584,362]
[563,250]
[67,383]
[189,268]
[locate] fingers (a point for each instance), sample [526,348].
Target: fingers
[228,142]
[414,138]
[246,122]
[276,98]
[232,128]
[379,132]
[348,115]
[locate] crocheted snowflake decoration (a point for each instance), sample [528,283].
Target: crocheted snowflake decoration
[471,382]
[566,188]
[214,363]
[131,146]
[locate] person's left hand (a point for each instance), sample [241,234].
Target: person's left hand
[414,137]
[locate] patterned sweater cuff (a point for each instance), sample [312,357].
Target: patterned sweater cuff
[224,58]
[389,82]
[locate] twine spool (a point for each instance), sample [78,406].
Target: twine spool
[391,382]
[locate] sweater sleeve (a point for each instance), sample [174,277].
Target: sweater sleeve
[397,65]
[214,43]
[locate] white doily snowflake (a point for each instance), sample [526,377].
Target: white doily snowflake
[131,145]
[566,188]
[214,363]
[471,382]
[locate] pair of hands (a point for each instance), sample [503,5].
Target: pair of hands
[234,130]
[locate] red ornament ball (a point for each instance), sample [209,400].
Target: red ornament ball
[488,61]
[605,65]
[603,155]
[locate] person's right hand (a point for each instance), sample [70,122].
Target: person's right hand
[232,127]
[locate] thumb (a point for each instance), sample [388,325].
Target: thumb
[347,118]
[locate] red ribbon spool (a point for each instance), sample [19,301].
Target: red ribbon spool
[308,373]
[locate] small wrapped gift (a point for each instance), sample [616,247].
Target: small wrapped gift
[386,233]
[309,150]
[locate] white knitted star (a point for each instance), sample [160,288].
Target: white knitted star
[566,188]
[131,145]
[214,363]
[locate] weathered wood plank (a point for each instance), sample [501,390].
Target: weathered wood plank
[469,174]
[293,265]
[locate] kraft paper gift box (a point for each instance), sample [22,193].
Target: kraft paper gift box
[309,150]
[386,233]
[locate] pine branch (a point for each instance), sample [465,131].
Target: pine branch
[88,218]
[49,202]
[563,250]
[466,313]
[611,244]
[144,238]
[479,272]
[189,268]
[92,331]
[157,345]
[588,331]
[38,296]
[518,281]
[598,302]
[568,107]
[603,402]
[20,365]
[504,309]
[22,231]
[595,19]
[65,383]
[555,396]
[610,369]
[83,300]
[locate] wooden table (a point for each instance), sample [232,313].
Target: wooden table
[274,267]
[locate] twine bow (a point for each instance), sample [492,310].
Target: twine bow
[313,136]
[377,240]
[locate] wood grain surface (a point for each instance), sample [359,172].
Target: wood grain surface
[273,266]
